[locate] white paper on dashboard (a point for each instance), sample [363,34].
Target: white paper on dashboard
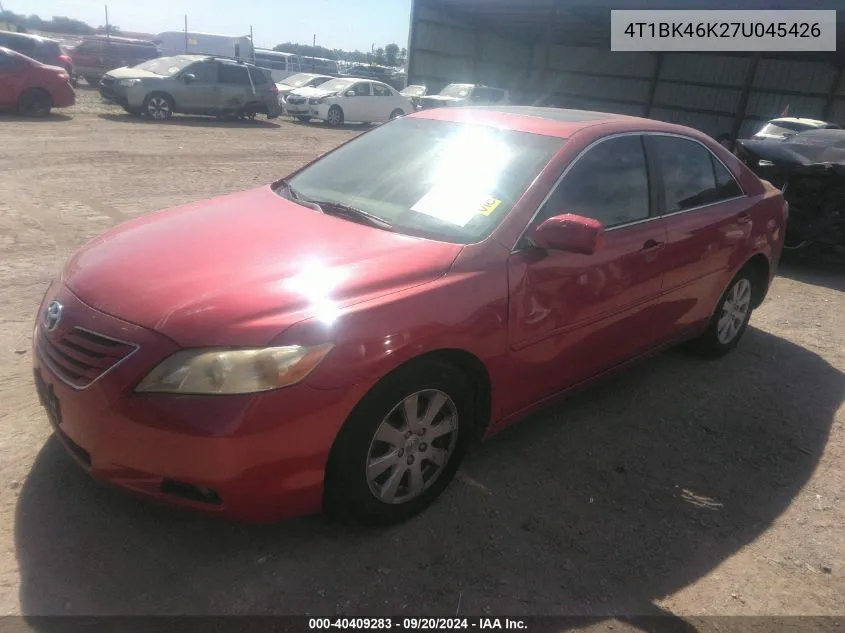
[454,206]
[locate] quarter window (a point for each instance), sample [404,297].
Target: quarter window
[609,183]
[381,91]
[692,176]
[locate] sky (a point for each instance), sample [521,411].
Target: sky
[347,24]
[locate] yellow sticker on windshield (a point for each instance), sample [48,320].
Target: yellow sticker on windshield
[490,205]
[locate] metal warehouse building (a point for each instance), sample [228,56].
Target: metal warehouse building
[557,52]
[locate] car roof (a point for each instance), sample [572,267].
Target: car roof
[30,36]
[560,122]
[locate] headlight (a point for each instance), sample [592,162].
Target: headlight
[233,371]
[317,101]
[128,82]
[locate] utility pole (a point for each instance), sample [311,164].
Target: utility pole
[252,41]
[108,30]
[186,34]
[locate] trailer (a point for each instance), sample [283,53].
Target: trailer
[182,43]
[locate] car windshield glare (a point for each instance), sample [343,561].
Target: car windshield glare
[442,180]
[336,85]
[456,90]
[297,81]
[414,91]
[166,66]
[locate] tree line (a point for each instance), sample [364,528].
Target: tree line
[390,55]
[58,24]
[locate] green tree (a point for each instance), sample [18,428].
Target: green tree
[379,56]
[391,55]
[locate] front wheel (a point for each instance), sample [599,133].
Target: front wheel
[396,113]
[158,106]
[402,445]
[35,102]
[335,116]
[303,119]
[731,318]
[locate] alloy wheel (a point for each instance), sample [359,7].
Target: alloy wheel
[412,446]
[158,108]
[734,311]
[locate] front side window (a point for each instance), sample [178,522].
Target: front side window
[437,179]
[692,176]
[205,72]
[608,183]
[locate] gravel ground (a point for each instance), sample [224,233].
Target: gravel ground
[688,487]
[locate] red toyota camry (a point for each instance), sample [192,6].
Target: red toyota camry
[338,338]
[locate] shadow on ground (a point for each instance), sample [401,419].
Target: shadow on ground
[191,121]
[625,493]
[53,117]
[815,273]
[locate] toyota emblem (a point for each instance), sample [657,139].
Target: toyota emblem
[52,316]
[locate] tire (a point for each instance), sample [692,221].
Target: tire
[35,102]
[371,480]
[158,106]
[397,113]
[729,322]
[303,119]
[335,116]
[92,80]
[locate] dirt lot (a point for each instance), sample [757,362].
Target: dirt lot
[694,487]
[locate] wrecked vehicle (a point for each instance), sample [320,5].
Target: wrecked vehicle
[810,169]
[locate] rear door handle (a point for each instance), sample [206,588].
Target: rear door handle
[652,246]
[743,218]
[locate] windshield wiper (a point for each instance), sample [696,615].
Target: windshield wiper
[352,213]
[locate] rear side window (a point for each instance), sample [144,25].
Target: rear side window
[381,91]
[692,176]
[231,74]
[609,183]
[258,76]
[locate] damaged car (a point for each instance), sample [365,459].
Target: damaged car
[809,167]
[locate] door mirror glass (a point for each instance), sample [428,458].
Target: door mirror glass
[571,233]
[189,78]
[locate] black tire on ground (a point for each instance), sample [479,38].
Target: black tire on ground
[35,102]
[742,291]
[158,106]
[348,490]
[335,116]
[397,113]
[303,119]
[92,80]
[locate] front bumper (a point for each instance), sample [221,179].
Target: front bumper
[247,457]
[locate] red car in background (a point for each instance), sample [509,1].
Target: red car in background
[338,338]
[32,88]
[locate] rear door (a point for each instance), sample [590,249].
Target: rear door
[707,218]
[359,107]
[572,316]
[384,102]
[236,89]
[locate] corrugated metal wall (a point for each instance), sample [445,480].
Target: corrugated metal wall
[703,91]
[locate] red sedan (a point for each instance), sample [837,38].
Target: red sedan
[337,339]
[32,88]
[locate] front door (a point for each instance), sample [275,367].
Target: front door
[573,316]
[202,94]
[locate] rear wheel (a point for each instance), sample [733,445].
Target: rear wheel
[158,106]
[402,445]
[35,102]
[335,116]
[731,318]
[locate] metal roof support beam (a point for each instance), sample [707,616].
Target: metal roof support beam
[743,99]
[831,96]
[655,78]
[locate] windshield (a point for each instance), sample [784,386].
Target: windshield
[298,80]
[438,179]
[337,85]
[457,90]
[166,66]
[414,91]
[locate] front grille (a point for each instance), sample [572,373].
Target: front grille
[79,357]
[296,100]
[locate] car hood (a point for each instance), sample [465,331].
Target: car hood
[132,73]
[239,269]
[311,91]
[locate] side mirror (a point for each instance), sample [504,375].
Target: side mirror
[571,233]
[351,93]
[189,78]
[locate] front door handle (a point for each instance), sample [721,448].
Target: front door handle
[652,246]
